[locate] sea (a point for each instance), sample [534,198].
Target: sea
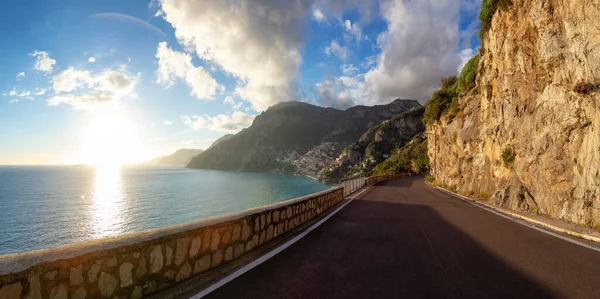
[48,206]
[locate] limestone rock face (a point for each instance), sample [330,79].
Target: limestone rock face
[538,95]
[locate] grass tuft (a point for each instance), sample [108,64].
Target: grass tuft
[508,156]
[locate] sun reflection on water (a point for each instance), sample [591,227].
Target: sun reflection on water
[107,202]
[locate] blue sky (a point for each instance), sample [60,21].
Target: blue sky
[82,80]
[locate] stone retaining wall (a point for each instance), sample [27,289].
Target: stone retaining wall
[134,265]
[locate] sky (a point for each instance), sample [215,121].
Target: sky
[86,82]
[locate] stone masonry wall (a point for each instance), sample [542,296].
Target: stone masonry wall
[134,265]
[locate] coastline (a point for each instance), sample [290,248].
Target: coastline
[312,178]
[191,202]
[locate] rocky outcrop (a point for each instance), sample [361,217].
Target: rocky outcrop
[528,136]
[377,144]
[296,137]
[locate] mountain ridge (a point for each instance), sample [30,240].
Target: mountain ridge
[296,137]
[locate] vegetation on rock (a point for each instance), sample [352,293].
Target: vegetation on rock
[508,156]
[377,144]
[488,9]
[411,158]
[586,88]
[441,100]
[445,100]
[466,80]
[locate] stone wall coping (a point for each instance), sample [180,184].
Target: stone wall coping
[18,262]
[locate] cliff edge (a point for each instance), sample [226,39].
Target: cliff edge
[527,136]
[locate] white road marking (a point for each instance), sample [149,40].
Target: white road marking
[524,223]
[273,252]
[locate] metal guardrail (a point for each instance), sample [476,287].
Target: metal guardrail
[353,185]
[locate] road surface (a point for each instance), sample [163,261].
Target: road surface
[404,239]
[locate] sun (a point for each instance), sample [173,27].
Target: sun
[110,139]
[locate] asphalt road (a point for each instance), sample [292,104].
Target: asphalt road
[407,240]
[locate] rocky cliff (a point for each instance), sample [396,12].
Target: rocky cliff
[221,139]
[296,137]
[527,137]
[374,146]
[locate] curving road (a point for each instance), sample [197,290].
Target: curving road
[404,239]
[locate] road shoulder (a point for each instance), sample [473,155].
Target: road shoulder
[591,236]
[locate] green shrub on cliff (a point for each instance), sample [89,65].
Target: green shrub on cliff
[466,80]
[441,99]
[488,9]
[508,156]
[445,100]
[412,158]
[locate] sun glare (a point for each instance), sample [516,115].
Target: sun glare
[110,139]
[107,202]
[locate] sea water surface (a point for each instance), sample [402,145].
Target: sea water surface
[47,206]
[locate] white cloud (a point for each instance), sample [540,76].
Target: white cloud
[339,92]
[71,79]
[318,15]
[15,93]
[349,69]
[173,65]
[419,46]
[91,60]
[417,49]
[167,122]
[84,89]
[336,8]
[20,75]
[352,31]
[230,101]
[223,123]
[334,48]
[13,101]
[256,41]
[39,91]
[43,62]
[368,62]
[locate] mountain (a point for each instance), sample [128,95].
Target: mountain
[180,157]
[223,138]
[296,137]
[378,144]
[522,131]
